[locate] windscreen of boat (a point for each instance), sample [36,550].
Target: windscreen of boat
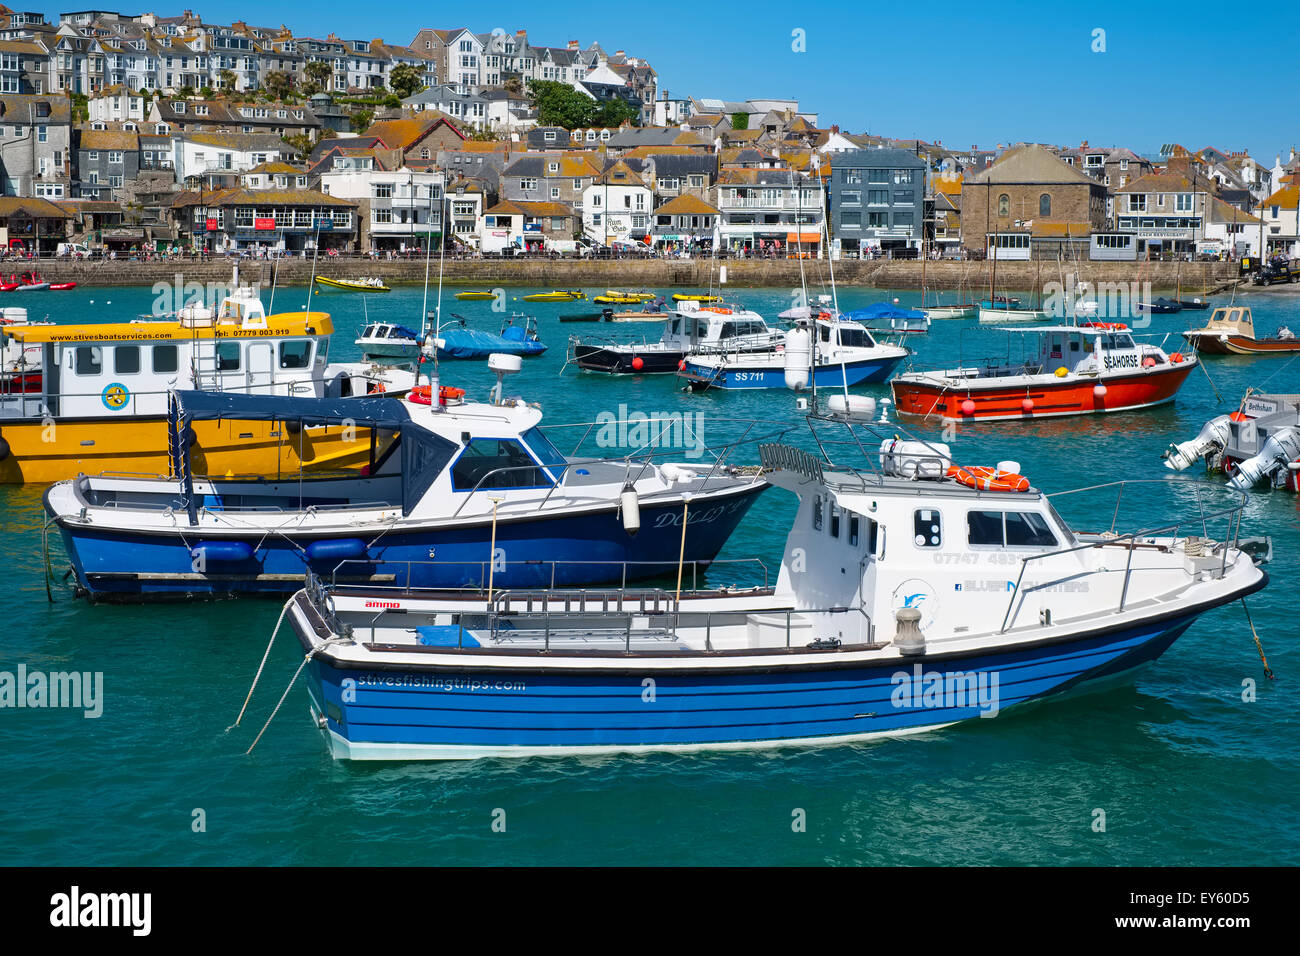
[368,332]
[855,338]
[424,456]
[545,452]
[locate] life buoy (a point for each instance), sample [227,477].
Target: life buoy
[1111,326]
[1177,358]
[716,310]
[423,394]
[984,478]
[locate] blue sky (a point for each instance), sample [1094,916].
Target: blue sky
[968,73]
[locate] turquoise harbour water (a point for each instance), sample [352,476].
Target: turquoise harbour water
[1185,771]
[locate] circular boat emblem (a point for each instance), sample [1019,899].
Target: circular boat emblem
[115,396]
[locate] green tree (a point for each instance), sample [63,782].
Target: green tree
[559,104]
[740,121]
[613,113]
[227,78]
[361,120]
[319,73]
[404,80]
[279,84]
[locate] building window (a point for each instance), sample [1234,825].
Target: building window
[1004,205]
[1044,205]
[1137,202]
[1184,202]
[383,190]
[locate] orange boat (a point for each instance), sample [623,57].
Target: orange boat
[1073,370]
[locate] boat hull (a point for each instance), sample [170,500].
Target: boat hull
[595,358]
[951,312]
[41,452]
[1216,344]
[1051,398]
[467,712]
[863,371]
[343,285]
[1002,316]
[568,550]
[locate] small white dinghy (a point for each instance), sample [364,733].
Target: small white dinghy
[386,340]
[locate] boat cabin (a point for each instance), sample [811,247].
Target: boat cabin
[1234,320]
[720,327]
[125,369]
[1080,350]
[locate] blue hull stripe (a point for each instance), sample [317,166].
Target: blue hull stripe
[423,707]
[100,557]
[828,376]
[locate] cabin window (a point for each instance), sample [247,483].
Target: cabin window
[1044,205]
[126,360]
[164,358]
[854,530]
[295,354]
[835,521]
[1028,529]
[817,513]
[546,453]
[1004,205]
[1015,529]
[483,462]
[228,357]
[927,527]
[89,360]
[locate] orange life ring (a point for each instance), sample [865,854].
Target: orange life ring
[1113,326]
[984,478]
[1177,357]
[423,394]
[716,310]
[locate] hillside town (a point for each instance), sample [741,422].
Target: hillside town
[147,135]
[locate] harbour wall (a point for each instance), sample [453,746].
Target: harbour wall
[1192,278]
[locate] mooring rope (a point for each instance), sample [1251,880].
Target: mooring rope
[258,676]
[283,697]
[1268,671]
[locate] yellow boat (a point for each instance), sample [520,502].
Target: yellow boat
[559,295]
[354,285]
[98,399]
[695,297]
[614,297]
[473,296]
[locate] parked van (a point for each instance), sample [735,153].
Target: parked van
[76,250]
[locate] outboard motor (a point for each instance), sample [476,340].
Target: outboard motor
[1282,446]
[1213,437]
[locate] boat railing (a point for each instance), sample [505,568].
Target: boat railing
[636,463]
[1131,540]
[623,571]
[654,614]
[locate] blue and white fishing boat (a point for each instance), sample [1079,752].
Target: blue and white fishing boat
[455,495]
[518,336]
[885,317]
[828,353]
[906,601]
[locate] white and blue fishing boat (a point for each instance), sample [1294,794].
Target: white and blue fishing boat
[825,353]
[907,600]
[690,326]
[518,336]
[886,318]
[455,495]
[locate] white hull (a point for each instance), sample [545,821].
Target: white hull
[1003,316]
